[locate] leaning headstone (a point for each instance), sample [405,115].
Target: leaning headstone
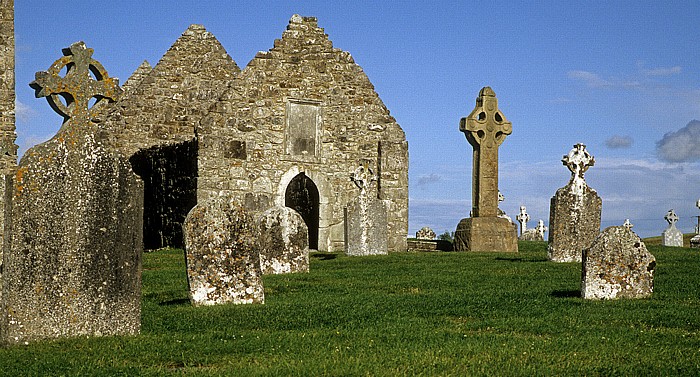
[485,129]
[671,236]
[366,219]
[425,233]
[72,264]
[223,264]
[283,242]
[575,209]
[617,265]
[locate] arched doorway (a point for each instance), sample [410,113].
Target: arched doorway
[302,196]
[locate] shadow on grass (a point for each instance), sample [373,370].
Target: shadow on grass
[177,301]
[324,256]
[566,294]
[519,259]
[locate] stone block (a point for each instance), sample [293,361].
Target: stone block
[486,234]
[574,221]
[283,242]
[617,265]
[366,227]
[223,264]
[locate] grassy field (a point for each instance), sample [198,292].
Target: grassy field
[440,314]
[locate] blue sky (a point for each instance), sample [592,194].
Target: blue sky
[622,77]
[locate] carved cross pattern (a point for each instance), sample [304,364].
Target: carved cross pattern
[77,87]
[363,176]
[578,161]
[541,228]
[627,224]
[523,217]
[671,217]
[485,128]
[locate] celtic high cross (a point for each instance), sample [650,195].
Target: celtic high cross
[77,87]
[485,128]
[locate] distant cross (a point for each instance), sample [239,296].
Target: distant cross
[671,217]
[77,87]
[541,228]
[578,161]
[627,224]
[363,176]
[485,128]
[523,218]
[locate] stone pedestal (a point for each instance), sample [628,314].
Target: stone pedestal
[486,234]
[617,265]
[574,221]
[366,229]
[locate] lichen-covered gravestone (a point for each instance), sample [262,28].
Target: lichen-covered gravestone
[617,265]
[425,233]
[223,264]
[574,212]
[73,260]
[366,224]
[485,129]
[671,236]
[283,242]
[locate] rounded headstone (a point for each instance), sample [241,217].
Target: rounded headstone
[284,241]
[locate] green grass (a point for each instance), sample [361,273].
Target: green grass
[403,314]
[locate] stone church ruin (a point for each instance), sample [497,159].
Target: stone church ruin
[289,130]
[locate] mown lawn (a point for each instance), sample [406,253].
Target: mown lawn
[439,314]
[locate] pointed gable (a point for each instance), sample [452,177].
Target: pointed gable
[135,79]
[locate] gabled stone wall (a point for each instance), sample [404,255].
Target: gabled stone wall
[304,106]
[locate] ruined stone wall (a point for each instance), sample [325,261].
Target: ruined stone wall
[304,106]
[8,149]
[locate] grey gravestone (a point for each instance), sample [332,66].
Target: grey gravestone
[283,242]
[617,265]
[73,265]
[223,264]
[575,209]
[695,241]
[366,220]
[485,129]
[671,236]
[536,234]
[425,233]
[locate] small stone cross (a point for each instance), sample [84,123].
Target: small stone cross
[363,177]
[627,224]
[485,128]
[523,217]
[578,161]
[672,218]
[77,87]
[541,228]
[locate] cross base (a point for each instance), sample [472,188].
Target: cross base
[486,234]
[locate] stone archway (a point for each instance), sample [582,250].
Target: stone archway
[302,195]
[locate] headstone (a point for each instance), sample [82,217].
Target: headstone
[485,129]
[425,233]
[366,220]
[523,217]
[671,236]
[575,209]
[73,260]
[627,224]
[283,242]
[617,265]
[695,241]
[223,263]
[536,234]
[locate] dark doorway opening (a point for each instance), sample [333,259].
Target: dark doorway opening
[302,196]
[169,174]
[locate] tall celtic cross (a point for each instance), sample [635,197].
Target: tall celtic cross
[77,87]
[485,128]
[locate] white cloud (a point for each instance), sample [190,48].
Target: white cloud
[24,112]
[619,142]
[682,145]
[426,179]
[589,78]
[665,71]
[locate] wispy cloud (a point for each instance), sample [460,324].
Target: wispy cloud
[682,145]
[591,79]
[619,142]
[427,179]
[23,112]
[662,71]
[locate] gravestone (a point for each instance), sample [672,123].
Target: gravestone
[575,209]
[536,234]
[671,236]
[695,241]
[523,217]
[485,129]
[223,264]
[425,233]
[283,242]
[617,265]
[627,224]
[73,260]
[366,220]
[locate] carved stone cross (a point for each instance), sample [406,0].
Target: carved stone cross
[578,161]
[363,177]
[485,128]
[541,228]
[523,217]
[77,87]
[627,224]
[671,218]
